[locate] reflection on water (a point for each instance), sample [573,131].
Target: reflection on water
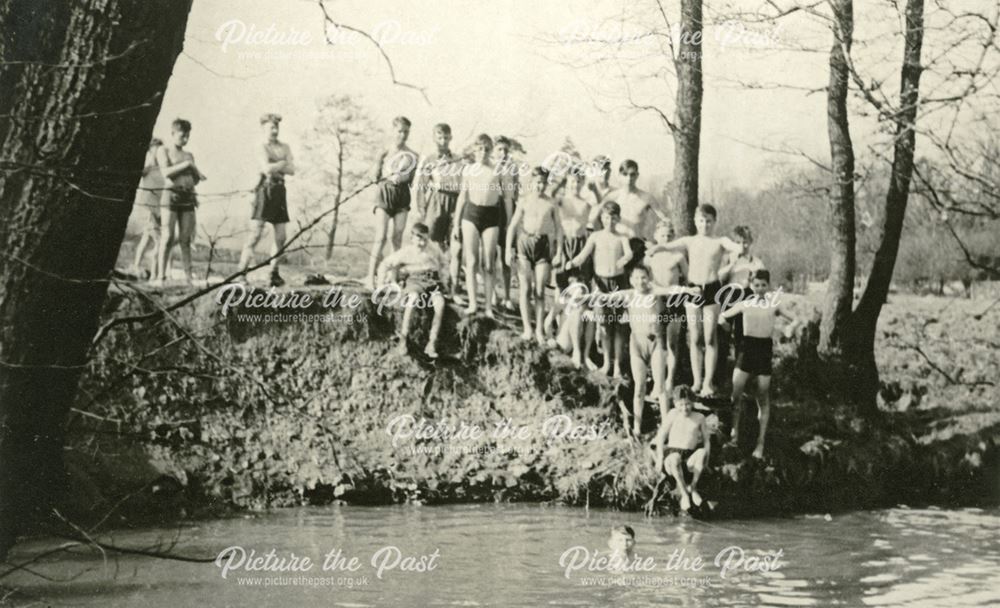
[510,555]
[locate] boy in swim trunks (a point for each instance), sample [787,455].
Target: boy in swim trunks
[438,181]
[275,162]
[704,252]
[394,173]
[536,226]
[668,269]
[147,197]
[178,202]
[480,213]
[426,270]
[510,186]
[759,312]
[638,208]
[599,185]
[610,250]
[574,211]
[683,429]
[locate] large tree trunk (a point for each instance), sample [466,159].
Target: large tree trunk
[687,126]
[877,288]
[82,84]
[332,235]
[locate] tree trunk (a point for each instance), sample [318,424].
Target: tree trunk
[332,235]
[877,288]
[83,82]
[687,126]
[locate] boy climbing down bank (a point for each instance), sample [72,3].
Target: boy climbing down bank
[536,226]
[683,429]
[611,252]
[704,252]
[754,358]
[426,270]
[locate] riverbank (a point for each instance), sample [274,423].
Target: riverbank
[210,412]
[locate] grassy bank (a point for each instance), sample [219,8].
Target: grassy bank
[205,411]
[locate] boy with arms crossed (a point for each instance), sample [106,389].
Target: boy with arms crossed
[178,202]
[536,226]
[270,200]
[394,173]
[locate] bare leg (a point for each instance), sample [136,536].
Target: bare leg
[673,342]
[256,231]
[398,228]
[455,265]
[489,266]
[470,245]
[639,374]
[619,347]
[166,242]
[140,250]
[673,466]
[696,463]
[541,280]
[437,300]
[608,340]
[408,305]
[589,329]
[524,272]
[711,318]
[279,243]
[574,325]
[697,355]
[740,378]
[764,401]
[381,219]
[185,232]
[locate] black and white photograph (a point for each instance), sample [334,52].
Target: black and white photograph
[629,303]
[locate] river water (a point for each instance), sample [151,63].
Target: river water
[533,555]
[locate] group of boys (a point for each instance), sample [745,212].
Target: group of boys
[167,191]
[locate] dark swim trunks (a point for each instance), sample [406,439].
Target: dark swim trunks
[610,284]
[440,211]
[393,198]
[571,247]
[685,456]
[270,202]
[180,200]
[638,247]
[755,356]
[708,294]
[533,249]
[481,216]
[423,282]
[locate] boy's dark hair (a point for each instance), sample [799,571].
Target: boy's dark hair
[181,125]
[156,141]
[270,117]
[541,172]
[603,162]
[763,274]
[484,139]
[683,392]
[401,121]
[627,164]
[502,140]
[421,228]
[612,207]
[443,127]
[707,210]
[743,232]
[643,269]
[626,530]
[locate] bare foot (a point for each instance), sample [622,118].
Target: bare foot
[551,343]
[758,452]
[401,348]
[470,310]
[685,502]
[696,498]
[431,352]
[617,373]
[636,429]
[369,283]
[526,334]
[696,387]
[489,313]
[590,364]
[577,361]
[707,391]
[605,369]
[540,338]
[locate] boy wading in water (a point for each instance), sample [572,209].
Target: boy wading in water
[683,429]
[479,204]
[426,274]
[536,226]
[178,202]
[704,253]
[754,359]
[274,159]
[394,174]
[610,250]
[148,199]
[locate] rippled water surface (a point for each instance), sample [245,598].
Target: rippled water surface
[510,555]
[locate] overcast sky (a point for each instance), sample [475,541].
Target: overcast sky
[493,66]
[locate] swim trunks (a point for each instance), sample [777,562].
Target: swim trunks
[708,294]
[571,247]
[685,456]
[481,216]
[270,201]
[179,200]
[440,211]
[638,247]
[533,249]
[423,282]
[755,356]
[610,284]
[393,198]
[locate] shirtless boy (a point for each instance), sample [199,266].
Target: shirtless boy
[147,197]
[638,209]
[611,252]
[394,174]
[704,253]
[574,211]
[736,277]
[274,160]
[759,313]
[178,202]
[683,429]
[668,269]
[426,270]
[536,226]
[480,211]
[599,185]
[510,186]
